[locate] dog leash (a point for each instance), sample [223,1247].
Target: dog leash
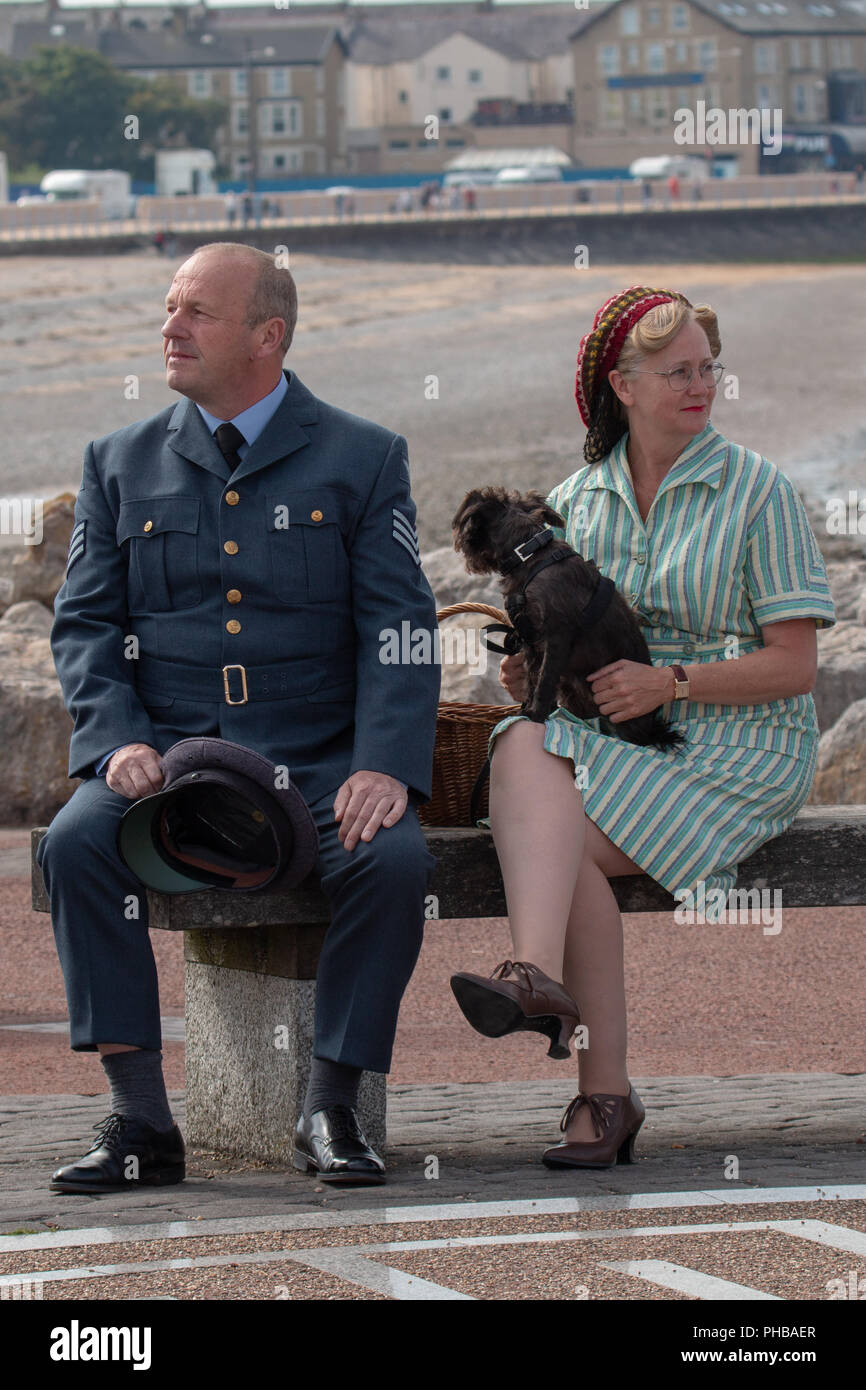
[521,632]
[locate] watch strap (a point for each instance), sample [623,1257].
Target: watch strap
[680,679]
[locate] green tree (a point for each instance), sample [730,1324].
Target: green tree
[68,108]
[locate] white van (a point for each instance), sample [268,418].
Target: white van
[110,186]
[530,173]
[662,166]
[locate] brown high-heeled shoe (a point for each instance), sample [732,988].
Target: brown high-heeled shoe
[616,1119]
[531,1001]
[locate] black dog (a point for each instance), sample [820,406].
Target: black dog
[561,647]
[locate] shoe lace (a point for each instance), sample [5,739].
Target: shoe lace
[108,1132]
[519,967]
[600,1108]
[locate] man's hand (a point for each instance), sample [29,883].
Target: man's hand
[365,801]
[135,771]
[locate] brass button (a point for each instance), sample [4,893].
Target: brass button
[232,498]
[231,547]
[640,559]
[234,595]
[148,526]
[316,515]
[258,816]
[233,625]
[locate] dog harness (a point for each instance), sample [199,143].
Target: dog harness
[522,632]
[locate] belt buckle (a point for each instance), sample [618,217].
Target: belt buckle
[229,700]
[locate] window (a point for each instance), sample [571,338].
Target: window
[239,82]
[632,54]
[445,113]
[681,52]
[320,118]
[611,107]
[608,59]
[840,53]
[402,97]
[801,105]
[635,106]
[796,54]
[707,55]
[280,118]
[815,53]
[679,18]
[658,105]
[765,57]
[398,144]
[443,74]
[200,83]
[629,20]
[654,16]
[320,79]
[278,82]
[475,77]
[241,121]
[655,57]
[766,96]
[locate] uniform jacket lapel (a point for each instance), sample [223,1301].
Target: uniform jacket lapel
[283,434]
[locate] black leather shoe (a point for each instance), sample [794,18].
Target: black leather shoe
[332,1144]
[125,1153]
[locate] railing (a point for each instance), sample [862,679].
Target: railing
[85,219]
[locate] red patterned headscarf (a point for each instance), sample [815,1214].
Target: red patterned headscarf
[599,350]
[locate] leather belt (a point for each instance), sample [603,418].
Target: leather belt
[235,684]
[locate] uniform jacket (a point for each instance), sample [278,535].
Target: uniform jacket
[291,567]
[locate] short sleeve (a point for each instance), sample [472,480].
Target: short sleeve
[785,575]
[555,501]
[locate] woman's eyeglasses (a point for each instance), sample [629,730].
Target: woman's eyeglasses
[678,378]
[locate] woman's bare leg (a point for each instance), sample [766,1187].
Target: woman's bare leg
[537,821]
[564,920]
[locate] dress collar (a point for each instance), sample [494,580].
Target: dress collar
[701,461]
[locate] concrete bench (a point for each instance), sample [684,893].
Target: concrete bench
[250,966]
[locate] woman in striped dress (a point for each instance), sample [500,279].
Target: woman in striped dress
[711,545]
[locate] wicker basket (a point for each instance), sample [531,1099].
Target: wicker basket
[462,733]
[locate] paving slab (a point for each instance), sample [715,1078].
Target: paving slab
[469,1143]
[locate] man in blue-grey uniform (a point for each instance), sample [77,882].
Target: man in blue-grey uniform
[233,565]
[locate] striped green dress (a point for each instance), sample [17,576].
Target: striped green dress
[726,548]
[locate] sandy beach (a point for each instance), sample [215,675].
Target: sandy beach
[501,340]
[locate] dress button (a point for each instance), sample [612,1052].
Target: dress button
[688,646]
[148,526]
[231,547]
[232,498]
[234,595]
[640,558]
[233,625]
[316,515]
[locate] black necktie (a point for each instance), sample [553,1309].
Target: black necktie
[229,438]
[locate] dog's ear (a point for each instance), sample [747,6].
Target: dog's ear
[471,530]
[541,512]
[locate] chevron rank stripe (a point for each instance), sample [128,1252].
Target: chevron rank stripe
[76,544]
[404,532]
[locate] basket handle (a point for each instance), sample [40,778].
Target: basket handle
[486,608]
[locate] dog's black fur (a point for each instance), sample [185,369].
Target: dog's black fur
[489,523]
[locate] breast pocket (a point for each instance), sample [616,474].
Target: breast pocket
[162,533]
[309,563]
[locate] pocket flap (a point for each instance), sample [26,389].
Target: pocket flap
[149,516]
[314,507]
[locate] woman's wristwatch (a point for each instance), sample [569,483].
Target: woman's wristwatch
[681,683]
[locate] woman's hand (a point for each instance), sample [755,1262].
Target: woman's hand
[512,674]
[626,689]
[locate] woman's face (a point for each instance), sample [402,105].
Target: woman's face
[653,406]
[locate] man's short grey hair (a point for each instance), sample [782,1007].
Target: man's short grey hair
[274,293]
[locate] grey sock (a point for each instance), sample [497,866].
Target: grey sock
[138,1087]
[331,1083]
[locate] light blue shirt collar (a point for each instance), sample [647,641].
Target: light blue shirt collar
[251,421]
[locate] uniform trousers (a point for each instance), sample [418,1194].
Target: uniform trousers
[376,894]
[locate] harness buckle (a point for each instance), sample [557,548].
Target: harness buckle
[229,700]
